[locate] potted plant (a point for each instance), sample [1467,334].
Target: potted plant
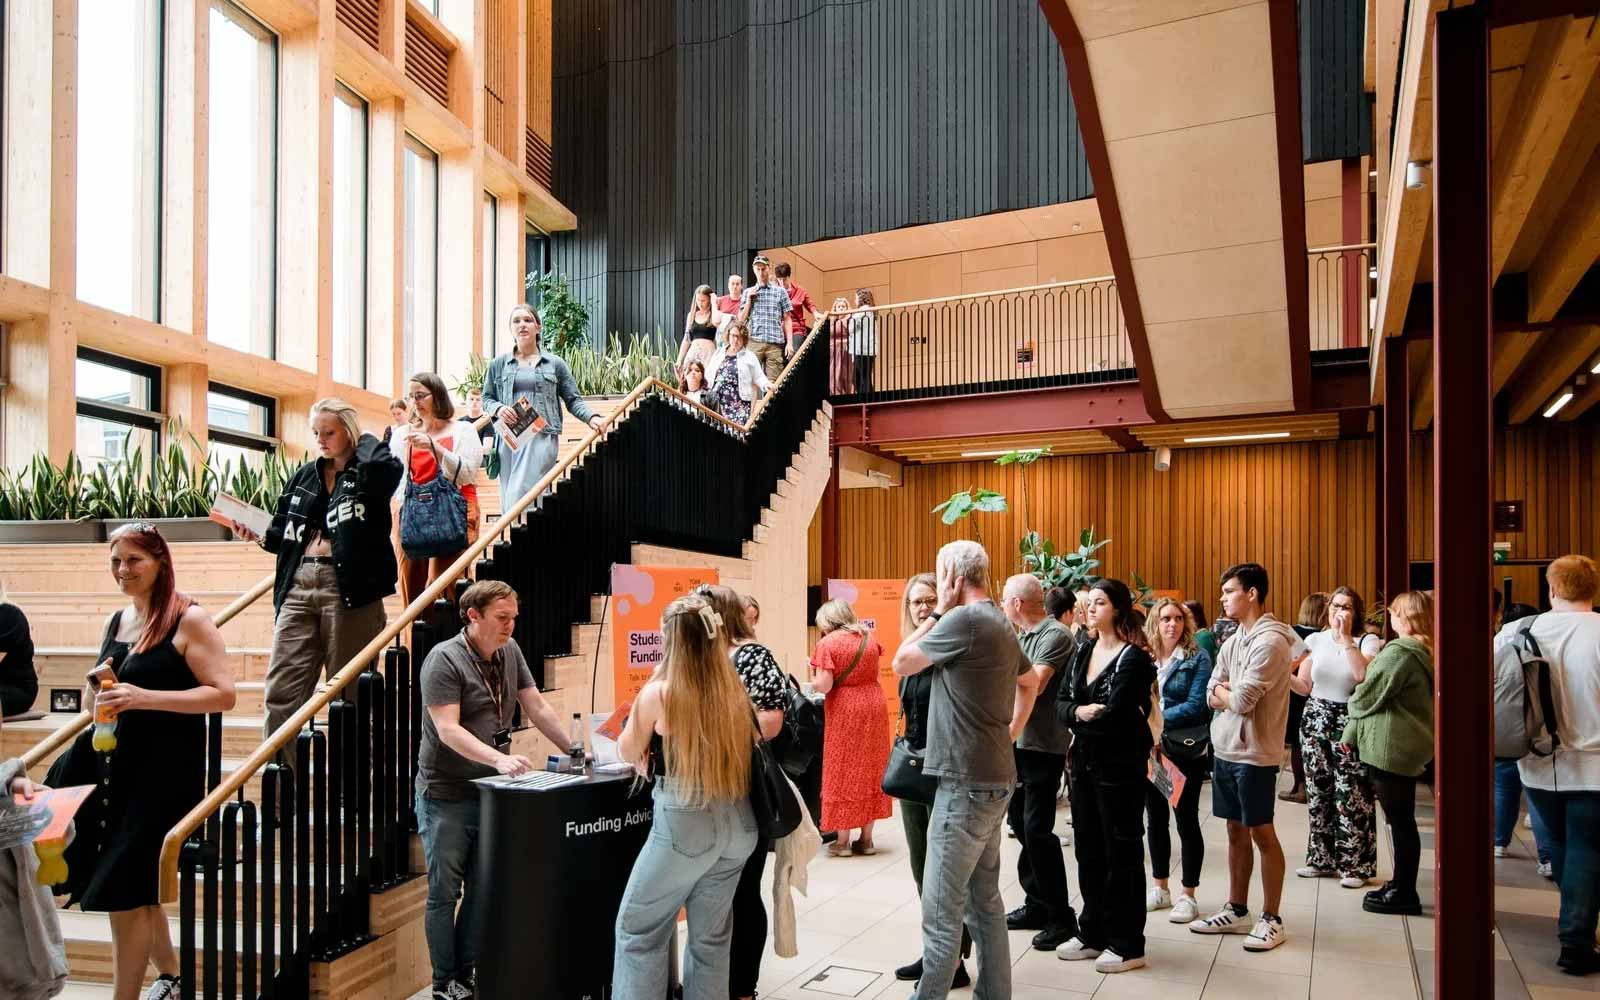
[43,503]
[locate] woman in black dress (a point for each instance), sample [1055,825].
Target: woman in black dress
[19,684]
[170,673]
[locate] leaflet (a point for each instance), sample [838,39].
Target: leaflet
[227,509]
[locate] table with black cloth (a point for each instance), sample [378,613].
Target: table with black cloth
[553,863]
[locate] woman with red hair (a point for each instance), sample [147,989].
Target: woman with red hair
[168,660]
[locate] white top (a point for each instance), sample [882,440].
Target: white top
[1571,642]
[751,374]
[1331,676]
[863,338]
[458,461]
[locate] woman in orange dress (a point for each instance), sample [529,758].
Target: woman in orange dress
[855,735]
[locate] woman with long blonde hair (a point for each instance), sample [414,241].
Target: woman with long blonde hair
[1182,671]
[1391,729]
[691,728]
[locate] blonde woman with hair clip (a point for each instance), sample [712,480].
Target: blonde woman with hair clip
[19,684]
[854,749]
[691,730]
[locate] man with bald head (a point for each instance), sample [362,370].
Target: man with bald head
[1041,753]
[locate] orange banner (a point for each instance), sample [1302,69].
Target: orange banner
[639,594]
[877,604]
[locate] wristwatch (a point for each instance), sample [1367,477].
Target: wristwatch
[935,615]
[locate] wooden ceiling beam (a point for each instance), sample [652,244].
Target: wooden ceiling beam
[1583,402]
[1406,214]
[1550,208]
[1510,351]
[1571,249]
[1557,359]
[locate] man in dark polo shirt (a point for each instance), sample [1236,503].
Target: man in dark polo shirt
[1041,750]
[471,684]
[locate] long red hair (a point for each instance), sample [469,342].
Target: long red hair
[167,604]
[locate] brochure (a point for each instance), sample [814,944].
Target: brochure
[1166,776]
[43,819]
[526,420]
[228,508]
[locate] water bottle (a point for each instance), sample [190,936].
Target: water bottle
[575,750]
[105,723]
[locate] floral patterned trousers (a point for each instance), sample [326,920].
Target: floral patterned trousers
[1344,833]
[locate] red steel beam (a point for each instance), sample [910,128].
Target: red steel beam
[1119,404]
[1282,20]
[1351,198]
[1394,434]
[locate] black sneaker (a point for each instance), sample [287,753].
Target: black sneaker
[909,973]
[1027,918]
[1579,961]
[960,980]
[1055,934]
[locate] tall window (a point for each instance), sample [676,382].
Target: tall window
[119,404]
[240,426]
[242,193]
[422,257]
[119,171]
[535,257]
[349,238]
[494,332]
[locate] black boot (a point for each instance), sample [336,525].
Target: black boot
[1394,900]
[960,980]
[1579,961]
[909,973]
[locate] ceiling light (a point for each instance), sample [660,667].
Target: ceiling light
[1596,369]
[988,454]
[1561,400]
[1417,174]
[1217,438]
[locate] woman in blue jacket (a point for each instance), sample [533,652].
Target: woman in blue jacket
[1182,670]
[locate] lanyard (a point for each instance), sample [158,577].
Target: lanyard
[495,693]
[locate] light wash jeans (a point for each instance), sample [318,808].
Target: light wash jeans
[962,875]
[692,860]
[449,832]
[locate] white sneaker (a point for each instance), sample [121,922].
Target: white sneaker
[453,990]
[1184,910]
[1499,851]
[1307,871]
[1074,950]
[1268,934]
[164,988]
[1110,961]
[1547,870]
[1157,898]
[1066,839]
[1224,921]
[1352,882]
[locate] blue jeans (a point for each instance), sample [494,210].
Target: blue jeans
[1508,803]
[1572,820]
[962,876]
[450,843]
[691,861]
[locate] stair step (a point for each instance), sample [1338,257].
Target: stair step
[65,666]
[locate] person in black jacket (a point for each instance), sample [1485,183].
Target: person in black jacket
[335,563]
[1106,702]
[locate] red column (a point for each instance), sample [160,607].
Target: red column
[1395,433]
[1352,263]
[1462,439]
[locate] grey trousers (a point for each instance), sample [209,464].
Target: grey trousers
[961,877]
[315,635]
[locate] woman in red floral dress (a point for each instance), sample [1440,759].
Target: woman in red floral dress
[855,743]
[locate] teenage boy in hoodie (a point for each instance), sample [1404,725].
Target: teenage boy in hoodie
[1249,690]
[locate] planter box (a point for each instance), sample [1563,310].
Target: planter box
[50,532]
[180,529]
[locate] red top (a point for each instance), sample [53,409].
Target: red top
[727,305]
[424,467]
[800,302]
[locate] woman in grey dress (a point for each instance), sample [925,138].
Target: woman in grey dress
[544,380]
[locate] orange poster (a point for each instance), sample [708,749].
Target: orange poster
[877,604]
[639,594]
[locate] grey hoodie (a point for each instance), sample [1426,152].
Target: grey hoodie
[33,961]
[1255,666]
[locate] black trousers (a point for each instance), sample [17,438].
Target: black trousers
[1108,838]
[16,698]
[1398,795]
[1041,867]
[1192,845]
[863,371]
[749,926]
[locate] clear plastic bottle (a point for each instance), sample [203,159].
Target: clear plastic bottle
[105,723]
[575,750]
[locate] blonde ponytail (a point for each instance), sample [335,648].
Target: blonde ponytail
[709,722]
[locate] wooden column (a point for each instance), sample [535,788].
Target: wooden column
[305,197]
[386,246]
[1394,565]
[1463,408]
[185,124]
[185,392]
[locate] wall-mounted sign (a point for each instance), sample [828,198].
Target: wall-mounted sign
[1507,516]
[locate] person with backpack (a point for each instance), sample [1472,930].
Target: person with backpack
[1390,729]
[1561,768]
[1508,780]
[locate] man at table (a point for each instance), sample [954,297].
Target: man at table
[471,685]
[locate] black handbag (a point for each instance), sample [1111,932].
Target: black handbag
[1187,745]
[904,778]
[433,517]
[798,744]
[773,801]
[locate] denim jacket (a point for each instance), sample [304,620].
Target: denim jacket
[556,386]
[1183,697]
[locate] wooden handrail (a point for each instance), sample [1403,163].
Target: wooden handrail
[1341,249]
[982,295]
[36,754]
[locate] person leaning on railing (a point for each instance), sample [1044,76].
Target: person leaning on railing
[528,370]
[335,566]
[471,685]
[864,339]
[171,672]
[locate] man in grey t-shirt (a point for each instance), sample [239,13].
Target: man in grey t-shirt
[982,684]
[1041,753]
[471,684]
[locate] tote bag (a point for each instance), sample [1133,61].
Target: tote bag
[433,518]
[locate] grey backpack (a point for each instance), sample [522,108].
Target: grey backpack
[1524,704]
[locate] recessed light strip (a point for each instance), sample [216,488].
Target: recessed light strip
[1560,401]
[1219,438]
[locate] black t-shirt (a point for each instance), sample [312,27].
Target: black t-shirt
[16,670]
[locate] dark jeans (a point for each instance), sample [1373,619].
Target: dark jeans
[1397,793]
[863,371]
[1572,821]
[749,927]
[1507,804]
[1041,867]
[1108,838]
[449,832]
[1191,844]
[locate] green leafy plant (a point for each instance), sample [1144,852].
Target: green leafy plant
[617,369]
[1071,569]
[563,317]
[971,501]
[477,370]
[1143,593]
[43,492]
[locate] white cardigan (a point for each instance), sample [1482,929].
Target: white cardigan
[751,374]
[459,464]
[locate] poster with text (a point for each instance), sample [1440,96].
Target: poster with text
[877,603]
[639,594]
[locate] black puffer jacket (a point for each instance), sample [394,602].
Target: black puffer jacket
[355,518]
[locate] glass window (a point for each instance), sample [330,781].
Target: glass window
[119,180]
[118,406]
[535,258]
[349,238]
[493,335]
[242,193]
[422,257]
[241,426]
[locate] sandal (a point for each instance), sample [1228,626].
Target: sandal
[863,848]
[839,849]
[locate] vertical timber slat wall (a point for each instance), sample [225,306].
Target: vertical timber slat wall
[1335,112]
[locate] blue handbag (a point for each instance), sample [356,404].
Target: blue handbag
[433,518]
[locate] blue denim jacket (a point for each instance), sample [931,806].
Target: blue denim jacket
[556,386]
[1183,697]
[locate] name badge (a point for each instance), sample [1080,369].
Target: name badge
[502,740]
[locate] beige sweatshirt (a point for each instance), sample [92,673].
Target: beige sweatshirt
[1255,666]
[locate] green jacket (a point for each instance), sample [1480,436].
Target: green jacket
[1391,712]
